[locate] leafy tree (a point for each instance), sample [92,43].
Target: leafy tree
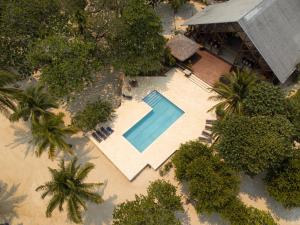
[156,208]
[66,65]
[176,4]
[233,90]
[186,154]
[33,102]
[265,99]
[49,134]
[67,186]
[239,214]
[93,114]
[283,182]
[23,22]
[153,3]
[7,94]
[293,112]
[254,144]
[135,40]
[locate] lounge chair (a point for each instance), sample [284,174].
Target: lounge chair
[128,97]
[206,134]
[210,121]
[204,139]
[105,131]
[96,137]
[208,127]
[103,136]
[109,130]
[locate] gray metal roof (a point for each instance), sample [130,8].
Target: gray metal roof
[273,26]
[230,11]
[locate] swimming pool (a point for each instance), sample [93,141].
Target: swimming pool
[164,113]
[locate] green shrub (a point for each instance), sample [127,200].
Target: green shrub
[283,183]
[265,99]
[186,154]
[176,4]
[254,144]
[158,207]
[93,114]
[168,59]
[239,214]
[212,183]
[293,112]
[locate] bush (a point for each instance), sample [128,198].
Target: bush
[254,144]
[168,59]
[265,99]
[157,208]
[212,183]
[283,183]
[239,214]
[176,4]
[186,154]
[293,112]
[93,114]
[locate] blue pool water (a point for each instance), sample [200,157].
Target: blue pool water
[164,113]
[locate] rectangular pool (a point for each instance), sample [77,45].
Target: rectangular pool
[164,113]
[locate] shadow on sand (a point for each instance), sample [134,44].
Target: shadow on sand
[9,202]
[102,213]
[256,189]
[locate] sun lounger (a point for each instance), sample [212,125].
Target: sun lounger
[206,134]
[204,139]
[208,127]
[128,97]
[210,121]
[105,131]
[109,129]
[103,136]
[96,137]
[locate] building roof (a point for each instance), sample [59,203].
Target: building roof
[230,11]
[182,47]
[273,26]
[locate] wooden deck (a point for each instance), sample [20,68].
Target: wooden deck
[208,67]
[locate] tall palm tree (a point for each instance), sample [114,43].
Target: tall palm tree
[32,103]
[6,93]
[232,91]
[67,185]
[49,134]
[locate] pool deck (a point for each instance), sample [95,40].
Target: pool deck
[183,92]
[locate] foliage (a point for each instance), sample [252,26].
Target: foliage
[23,22]
[239,214]
[293,112]
[233,90]
[168,59]
[66,65]
[7,94]
[254,144]
[212,183]
[49,133]
[93,114]
[157,207]
[167,167]
[265,99]
[176,4]
[33,102]
[135,40]
[67,185]
[186,154]
[153,3]
[283,182]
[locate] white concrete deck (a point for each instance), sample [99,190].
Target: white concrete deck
[184,93]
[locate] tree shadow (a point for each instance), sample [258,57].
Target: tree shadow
[23,137]
[102,213]
[9,202]
[184,218]
[256,189]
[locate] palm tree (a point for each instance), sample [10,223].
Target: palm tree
[49,133]
[232,91]
[32,103]
[67,186]
[6,93]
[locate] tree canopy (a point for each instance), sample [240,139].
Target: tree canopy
[135,39]
[157,207]
[265,99]
[254,144]
[93,114]
[66,65]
